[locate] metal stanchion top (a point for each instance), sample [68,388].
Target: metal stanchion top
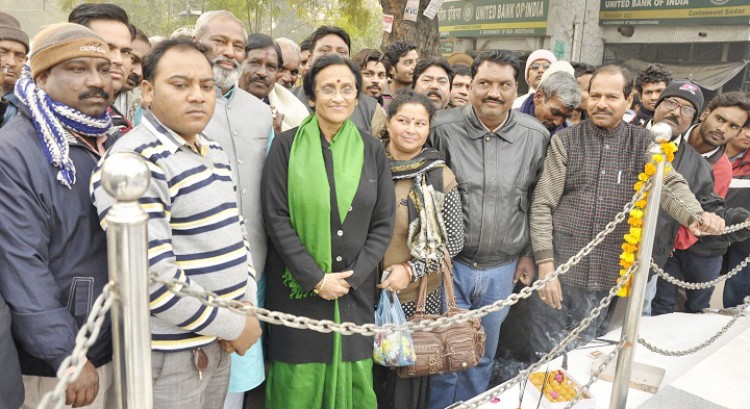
[125,176]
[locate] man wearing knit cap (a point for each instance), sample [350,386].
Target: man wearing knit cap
[558,95]
[14,44]
[537,63]
[699,259]
[53,256]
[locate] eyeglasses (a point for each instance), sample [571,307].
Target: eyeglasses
[536,67]
[330,92]
[685,110]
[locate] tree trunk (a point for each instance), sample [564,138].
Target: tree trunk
[424,33]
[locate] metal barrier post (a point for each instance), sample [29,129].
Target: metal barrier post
[660,133]
[125,176]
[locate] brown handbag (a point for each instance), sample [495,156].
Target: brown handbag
[454,348]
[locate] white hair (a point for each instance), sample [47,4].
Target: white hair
[284,42]
[202,23]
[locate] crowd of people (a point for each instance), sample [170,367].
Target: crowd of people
[306,179]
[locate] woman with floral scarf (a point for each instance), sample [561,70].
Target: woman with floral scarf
[429,223]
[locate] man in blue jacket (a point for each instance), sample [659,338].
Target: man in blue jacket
[53,254]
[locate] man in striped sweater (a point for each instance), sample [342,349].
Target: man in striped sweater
[738,152]
[195,231]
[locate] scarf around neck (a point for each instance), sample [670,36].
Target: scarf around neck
[427,237]
[309,194]
[50,118]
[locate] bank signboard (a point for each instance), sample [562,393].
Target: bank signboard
[674,12]
[484,18]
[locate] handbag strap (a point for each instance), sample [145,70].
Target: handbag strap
[450,295]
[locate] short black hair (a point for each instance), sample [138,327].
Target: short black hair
[737,99]
[258,41]
[426,63]
[502,57]
[581,68]
[306,44]
[615,69]
[408,96]
[151,61]
[367,55]
[653,74]
[85,13]
[323,62]
[394,51]
[461,69]
[323,31]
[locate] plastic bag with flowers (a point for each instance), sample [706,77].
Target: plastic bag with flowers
[395,348]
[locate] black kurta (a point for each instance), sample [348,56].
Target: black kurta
[358,244]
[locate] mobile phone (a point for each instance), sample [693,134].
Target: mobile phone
[386,273]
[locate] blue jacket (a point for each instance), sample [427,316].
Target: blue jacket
[53,253]
[11,385]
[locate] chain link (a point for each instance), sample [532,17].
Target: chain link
[485,397]
[682,352]
[699,286]
[85,338]
[595,376]
[208,298]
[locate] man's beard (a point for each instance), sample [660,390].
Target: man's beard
[225,77]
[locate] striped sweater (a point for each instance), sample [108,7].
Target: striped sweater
[195,234]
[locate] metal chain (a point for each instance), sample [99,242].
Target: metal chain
[595,376]
[699,286]
[85,338]
[696,216]
[208,298]
[485,397]
[682,352]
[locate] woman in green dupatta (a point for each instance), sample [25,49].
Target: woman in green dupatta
[328,210]
[429,222]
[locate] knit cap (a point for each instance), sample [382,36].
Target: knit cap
[62,42]
[10,29]
[685,90]
[558,66]
[538,55]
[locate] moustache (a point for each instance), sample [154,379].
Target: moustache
[264,80]
[603,111]
[672,118]
[94,92]
[374,87]
[497,100]
[234,63]
[435,94]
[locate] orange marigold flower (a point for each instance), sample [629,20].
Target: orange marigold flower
[636,213]
[650,169]
[643,177]
[658,158]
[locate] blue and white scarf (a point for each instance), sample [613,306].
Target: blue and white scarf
[50,117]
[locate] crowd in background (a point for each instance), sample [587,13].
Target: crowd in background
[307,177]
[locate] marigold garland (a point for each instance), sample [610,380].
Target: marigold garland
[633,237]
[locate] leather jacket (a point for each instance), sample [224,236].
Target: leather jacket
[496,173]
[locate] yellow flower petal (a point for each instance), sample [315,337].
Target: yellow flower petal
[658,158]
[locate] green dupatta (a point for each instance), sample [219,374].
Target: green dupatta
[309,194]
